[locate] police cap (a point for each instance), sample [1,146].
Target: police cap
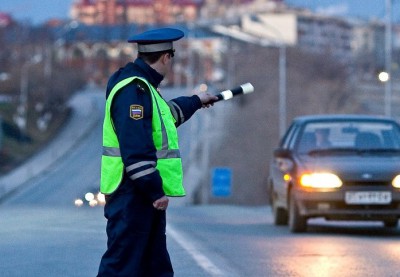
[156,40]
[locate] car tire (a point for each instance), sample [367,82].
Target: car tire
[297,223]
[391,223]
[280,215]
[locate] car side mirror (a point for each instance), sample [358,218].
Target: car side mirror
[283,159]
[282,153]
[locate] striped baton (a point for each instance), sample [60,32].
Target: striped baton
[230,93]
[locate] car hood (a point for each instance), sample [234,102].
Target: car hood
[359,167]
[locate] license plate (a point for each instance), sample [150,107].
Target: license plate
[368,197]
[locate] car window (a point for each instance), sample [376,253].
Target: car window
[360,135]
[288,139]
[295,136]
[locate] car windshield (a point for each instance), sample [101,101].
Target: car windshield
[343,136]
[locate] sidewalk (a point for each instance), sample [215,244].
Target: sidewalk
[84,116]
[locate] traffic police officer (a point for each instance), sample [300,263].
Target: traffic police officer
[141,164]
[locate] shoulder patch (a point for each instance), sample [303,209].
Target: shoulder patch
[136,112]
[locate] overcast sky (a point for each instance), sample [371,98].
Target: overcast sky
[356,8]
[38,11]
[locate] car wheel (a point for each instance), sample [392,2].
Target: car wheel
[297,223]
[392,223]
[280,215]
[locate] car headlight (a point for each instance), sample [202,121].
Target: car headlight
[320,180]
[396,182]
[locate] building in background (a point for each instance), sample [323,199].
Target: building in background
[95,39]
[145,12]
[350,41]
[142,12]
[5,20]
[312,32]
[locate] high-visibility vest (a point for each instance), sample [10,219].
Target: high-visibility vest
[165,138]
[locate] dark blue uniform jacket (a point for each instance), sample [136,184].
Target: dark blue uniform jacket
[135,136]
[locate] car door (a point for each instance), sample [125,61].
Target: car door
[279,165]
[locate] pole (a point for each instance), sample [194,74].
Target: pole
[280,44]
[388,58]
[23,97]
[282,89]
[22,111]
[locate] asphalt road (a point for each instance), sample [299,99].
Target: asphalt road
[43,234]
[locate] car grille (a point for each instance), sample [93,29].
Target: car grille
[391,206]
[364,183]
[341,205]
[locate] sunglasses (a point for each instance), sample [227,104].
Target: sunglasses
[171,53]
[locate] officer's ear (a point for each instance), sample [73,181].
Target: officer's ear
[165,58]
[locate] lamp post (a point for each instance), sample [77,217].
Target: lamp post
[282,89]
[21,117]
[280,44]
[388,58]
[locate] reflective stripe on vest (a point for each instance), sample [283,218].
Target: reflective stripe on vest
[165,140]
[161,154]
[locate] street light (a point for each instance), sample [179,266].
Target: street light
[4,76]
[383,76]
[282,89]
[21,117]
[282,77]
[388,58]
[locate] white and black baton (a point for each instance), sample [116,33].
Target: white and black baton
[230,93]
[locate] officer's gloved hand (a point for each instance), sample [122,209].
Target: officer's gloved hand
[207,99]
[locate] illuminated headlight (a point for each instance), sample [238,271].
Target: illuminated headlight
[101,198]
[93,203]
[78,202]
[396,182]
[320,180]
[89,196]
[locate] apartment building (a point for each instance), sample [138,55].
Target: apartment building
[315,33]
[142,12]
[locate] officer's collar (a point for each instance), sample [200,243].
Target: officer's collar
[151,74]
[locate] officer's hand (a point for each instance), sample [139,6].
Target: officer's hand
[161,204]
[207,99]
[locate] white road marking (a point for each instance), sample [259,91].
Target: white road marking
[192,247]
